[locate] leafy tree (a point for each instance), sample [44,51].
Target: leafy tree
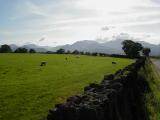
[87,53]
[82,53]
[75,52]
[49,52]
[32,51]
[21,50]
[60,51]
[102,54]
[68,52]
[132,49]
[5,49]
[95,54]
[146,51]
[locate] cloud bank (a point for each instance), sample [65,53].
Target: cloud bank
[67,21]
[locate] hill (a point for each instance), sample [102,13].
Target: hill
[29,46]
[110,47]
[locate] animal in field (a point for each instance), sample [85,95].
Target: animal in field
[43,63]
[114,63]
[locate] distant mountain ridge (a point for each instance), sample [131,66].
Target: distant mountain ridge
[29,46]
[109,47]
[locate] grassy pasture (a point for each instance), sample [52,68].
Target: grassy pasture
[28,91]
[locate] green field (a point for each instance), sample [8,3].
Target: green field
[28,90]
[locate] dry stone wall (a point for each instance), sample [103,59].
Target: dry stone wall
[118,97]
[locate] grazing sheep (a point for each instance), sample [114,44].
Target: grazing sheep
[43,63]
[114,63]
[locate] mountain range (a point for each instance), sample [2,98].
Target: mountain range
[110,47]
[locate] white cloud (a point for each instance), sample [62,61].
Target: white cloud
[65,21]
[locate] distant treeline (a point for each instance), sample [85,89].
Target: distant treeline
[7,49]
[76,52]
[131,49]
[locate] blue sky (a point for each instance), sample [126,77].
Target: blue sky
[57,22]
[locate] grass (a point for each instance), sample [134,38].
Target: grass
[28,91]
[152,98]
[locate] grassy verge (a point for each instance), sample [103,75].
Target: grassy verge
[152,97]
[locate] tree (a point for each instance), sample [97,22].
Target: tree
[32,51]
[102,54]
[146,51]
[49,52]
[21,50]
[95,54]
[87,53]
[75,52]
[132,49]
[60,51]
[82,53]
[5,49]
[68,52]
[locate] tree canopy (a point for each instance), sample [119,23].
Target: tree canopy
[21,50]
[75,52]
[60,51]
[146,51]
[5,49]
[132,49]
[32,51]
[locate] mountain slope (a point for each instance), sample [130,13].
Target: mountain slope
[110,47]
[29,46]
[33,46]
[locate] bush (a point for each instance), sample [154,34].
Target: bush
[60,51]
[21,50]
[32,51]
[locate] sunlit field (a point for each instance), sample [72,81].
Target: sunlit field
[28,90]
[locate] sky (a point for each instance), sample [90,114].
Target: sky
[58,22]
